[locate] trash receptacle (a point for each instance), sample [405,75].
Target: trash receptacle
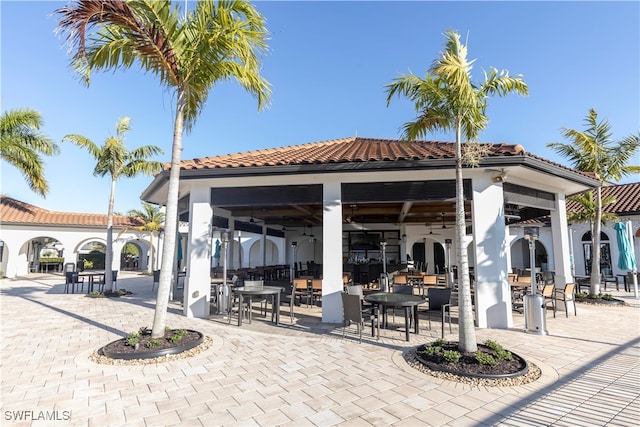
[535,321]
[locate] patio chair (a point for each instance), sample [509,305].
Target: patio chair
[261,300]
[302,290]
[316,291]
[234,303]
[548,277]
[548,293]
[72,279]
[353,312]
[156,279]
[439,300]
[567,295]
[287,297]
[401,289]
[612,280]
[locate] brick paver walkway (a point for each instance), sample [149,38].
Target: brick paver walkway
[296,374]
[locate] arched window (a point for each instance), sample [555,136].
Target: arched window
[605,253]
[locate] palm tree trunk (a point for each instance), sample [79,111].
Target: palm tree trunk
[108,258]
[466,334]
[171,224]
[595,239]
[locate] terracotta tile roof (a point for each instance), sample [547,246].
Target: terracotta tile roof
[345,150]
[627,199]
[13,211]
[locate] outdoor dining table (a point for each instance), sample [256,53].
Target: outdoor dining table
[251,291]
[389,299]
[91,275]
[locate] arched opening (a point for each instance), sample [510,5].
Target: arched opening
[91,256]
[521,261]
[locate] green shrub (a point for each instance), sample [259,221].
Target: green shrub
[144,331]
[132,339]
[501,353]
[438,343]
[153,343]
[485,359]
[432,350]
[177,336]
[452,356]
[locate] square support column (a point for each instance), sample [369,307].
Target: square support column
[493,292]
[197,284]
[332,285]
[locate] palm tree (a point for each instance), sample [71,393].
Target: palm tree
[21,144]
[216,41]
[447,100]
[116,161]
[153,222]
[593,151]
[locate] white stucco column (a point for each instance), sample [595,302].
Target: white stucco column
[332,253]
[493,293]
[561,253]
[197,284]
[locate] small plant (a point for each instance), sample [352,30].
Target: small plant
[485,359]
[122,291]
[432,350]
[451,356]
[501,353]
[581,295]
[153,343]
[607,297]
[144,331]
[96,293]
[438,343]
[132,339]
[177,336]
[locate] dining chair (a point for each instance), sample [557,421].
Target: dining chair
[316,290]
[99,281]
[567,295]
[400,279]
[156,279]
[73,279]
[234,303]
[612,280]
[548,293]
[353,312]
[404,290]
[261,299]
[302,290]
[287,297]
[439,300]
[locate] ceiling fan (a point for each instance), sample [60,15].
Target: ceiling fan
[430,233]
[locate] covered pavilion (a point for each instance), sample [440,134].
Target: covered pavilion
[343,186]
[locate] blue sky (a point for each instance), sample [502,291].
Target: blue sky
[328,64]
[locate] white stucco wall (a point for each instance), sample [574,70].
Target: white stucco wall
[17,239]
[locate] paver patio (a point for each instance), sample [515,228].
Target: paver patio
[297,374]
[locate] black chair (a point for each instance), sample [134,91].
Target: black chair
[287,297]
[156,279]
[353,312]
[404,290]
[612,280]
[99,280]
[72,278]
[439,303]
[234,303]
[261,299]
